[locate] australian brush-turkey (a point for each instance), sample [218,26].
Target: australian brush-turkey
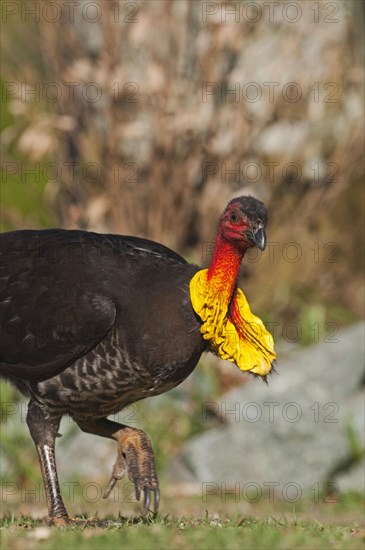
[92,323]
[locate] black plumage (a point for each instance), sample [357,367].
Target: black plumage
[64,293]
[91,323]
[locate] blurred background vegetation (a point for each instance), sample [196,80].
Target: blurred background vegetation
[146,117]
[129,133]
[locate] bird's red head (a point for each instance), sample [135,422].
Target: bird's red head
[228,323]
[243,223]
[241,226]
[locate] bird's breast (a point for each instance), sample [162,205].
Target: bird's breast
[119,372]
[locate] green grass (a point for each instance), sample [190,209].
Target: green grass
[182,533]
[276,525]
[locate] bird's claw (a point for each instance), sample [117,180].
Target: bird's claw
[119,471]
[111,484]
[135,456]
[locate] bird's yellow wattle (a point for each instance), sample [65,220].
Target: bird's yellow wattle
[238,336]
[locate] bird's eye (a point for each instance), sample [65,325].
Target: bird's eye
[233,217]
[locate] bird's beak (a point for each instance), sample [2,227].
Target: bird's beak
[260,238]
[257,238]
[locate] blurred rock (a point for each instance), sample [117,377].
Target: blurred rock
[300,429]
[353,479]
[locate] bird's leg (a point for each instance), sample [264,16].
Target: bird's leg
[43,430]
[134,457]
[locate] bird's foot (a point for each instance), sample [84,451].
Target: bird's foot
[60,521]
[135,457]
[68,521]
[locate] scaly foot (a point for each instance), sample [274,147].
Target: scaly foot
[135,457]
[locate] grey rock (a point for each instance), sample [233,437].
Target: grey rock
[295,431]
[353,479]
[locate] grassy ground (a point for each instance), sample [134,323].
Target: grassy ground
[185,523]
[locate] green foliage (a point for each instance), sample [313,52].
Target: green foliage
[17,448]
[22,192]
[356,447]
[26,197]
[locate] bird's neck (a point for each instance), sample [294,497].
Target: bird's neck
[224,267]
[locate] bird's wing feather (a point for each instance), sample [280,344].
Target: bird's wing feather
[145,245]
[53,308]
[33,346]
[56,293]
